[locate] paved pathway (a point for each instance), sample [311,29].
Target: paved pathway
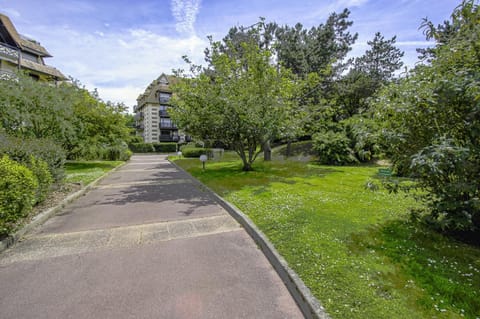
[144,243]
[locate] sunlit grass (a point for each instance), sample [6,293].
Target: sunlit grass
[354,248]
[86,172]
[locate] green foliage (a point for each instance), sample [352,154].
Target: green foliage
[451,176]
[142,147]
[333,148]
[304,148]
[317,49]
[242,101]
[165,147]
[195,151]
[153,147]
[77,120]
[118,152]
[30,108]
[22,149]
[364,136]
[431,121]
[45,180]
[381,60]
[18,187]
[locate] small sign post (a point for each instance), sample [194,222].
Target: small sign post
[203,159]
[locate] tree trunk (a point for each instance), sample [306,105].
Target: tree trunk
[289,148]
[267,151]
[246,167]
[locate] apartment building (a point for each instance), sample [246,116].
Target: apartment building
[20,53]
[152,120]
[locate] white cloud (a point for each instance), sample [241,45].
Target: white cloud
[185,13]
[120,64]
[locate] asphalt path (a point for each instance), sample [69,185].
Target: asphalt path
[146,242]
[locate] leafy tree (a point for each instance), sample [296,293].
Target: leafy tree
[85,126]
[431,121]
[242,100]
[34,109]
[369,72]
[381,60]
[317,49]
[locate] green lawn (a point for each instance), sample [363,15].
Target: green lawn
[353,247]
[88,171]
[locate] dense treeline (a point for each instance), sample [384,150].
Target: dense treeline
[268,82]
[298,79]
[43,125]
[430,121]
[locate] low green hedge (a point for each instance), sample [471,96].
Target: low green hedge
[142,148]
[196,151]
[40,170]
[18,188]
[153,147]
[165,147]
[22,149]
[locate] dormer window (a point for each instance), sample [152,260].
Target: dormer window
[163,80]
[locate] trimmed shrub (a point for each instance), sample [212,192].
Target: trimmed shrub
[18,187]
[196,152]
[40,170]
[165,147]
[21,149]
[116,153]
[333,148]
[141,148]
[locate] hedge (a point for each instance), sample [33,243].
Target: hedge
[196,151]
[153,147]
[18,187]
[165,147]
[22,149]
[141,148]
[40,170]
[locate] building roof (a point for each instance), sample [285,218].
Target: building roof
[26,44]
[46,69]
[21,41]
[161,84]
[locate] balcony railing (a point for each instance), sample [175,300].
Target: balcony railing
[168,138]
[7,75]
[167,125]
[9,52]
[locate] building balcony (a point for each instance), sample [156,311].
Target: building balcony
[7,75]
[163,113]
[167,125]
[8,52]
[168,138]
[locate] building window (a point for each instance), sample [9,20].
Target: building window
[30,57]
[164,97]
[163,110]
[165,123]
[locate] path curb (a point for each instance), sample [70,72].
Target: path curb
[308,304]
[42,217]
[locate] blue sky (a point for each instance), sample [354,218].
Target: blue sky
[120,46]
